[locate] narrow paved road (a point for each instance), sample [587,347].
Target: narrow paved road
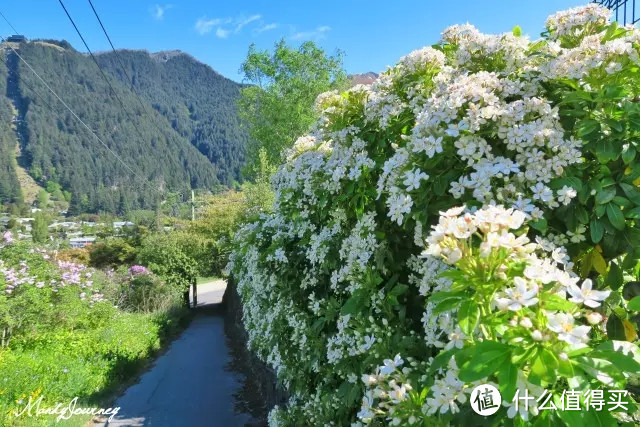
[189,385]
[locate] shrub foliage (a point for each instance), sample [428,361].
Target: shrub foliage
[64,331]
[368,316]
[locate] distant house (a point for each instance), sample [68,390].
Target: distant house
[66,224]
[120,224]
[16,38]
[81,242]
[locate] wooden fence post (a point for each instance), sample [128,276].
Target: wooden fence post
[194,286]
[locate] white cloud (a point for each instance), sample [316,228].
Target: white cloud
[157,11]
[243,22]
[204,25]
[222,33]
[267,27]
[317,34]
[225,26]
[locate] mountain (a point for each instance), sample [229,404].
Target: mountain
[9,185]
[182,131]
[197,101]
[364,78]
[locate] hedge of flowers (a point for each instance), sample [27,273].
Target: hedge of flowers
[470,218]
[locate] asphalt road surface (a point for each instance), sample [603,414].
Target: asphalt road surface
[189,385]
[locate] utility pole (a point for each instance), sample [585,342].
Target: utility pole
[193,206]
[194,285]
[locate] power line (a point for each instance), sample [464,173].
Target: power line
[124,70]
[104,76]
[7,21]
[24,82]
[74,114]
[102,72]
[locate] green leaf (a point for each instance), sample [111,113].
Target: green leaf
[614,277]
[631,290]
[629,154]
[596,367]
[606,151]
[596,230]
[586,265]
[441,296]
[631,192]
[605,195]
[544,365]
[599,264]
[539,224]
[468,316]
[354,304]
[624,347]
[623,362]
[615,216]
[634,304]
[487,358]
[399,289]
[623,202]
[446,305]
[507,378]
[554,302]
[517,31]
[581,214]
[630,260]
[598,419]
[634,122]
[587,126]
[615,328]
[579,351]
[441,360]
[633,213]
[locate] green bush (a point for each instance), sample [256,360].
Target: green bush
[62,335]
[112,252]
[469,218]
[166,257]
[145,293]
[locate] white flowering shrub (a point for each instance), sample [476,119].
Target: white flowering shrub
[376,302]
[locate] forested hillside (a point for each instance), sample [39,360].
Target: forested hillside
[198,102]
[9,187]
[177,137]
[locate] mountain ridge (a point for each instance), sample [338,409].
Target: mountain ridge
[186,135]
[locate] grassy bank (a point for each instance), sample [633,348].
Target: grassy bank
[75,332]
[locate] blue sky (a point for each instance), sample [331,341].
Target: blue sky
[372,34]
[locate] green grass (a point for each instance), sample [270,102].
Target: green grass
[202,280]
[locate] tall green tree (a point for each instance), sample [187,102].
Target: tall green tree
[277,106]
[43,199]
[40,231]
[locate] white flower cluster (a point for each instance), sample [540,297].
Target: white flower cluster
[461,117]
[593,53]
[475,47]
[574,22]
[450,240]
[327,279]
[385,389]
